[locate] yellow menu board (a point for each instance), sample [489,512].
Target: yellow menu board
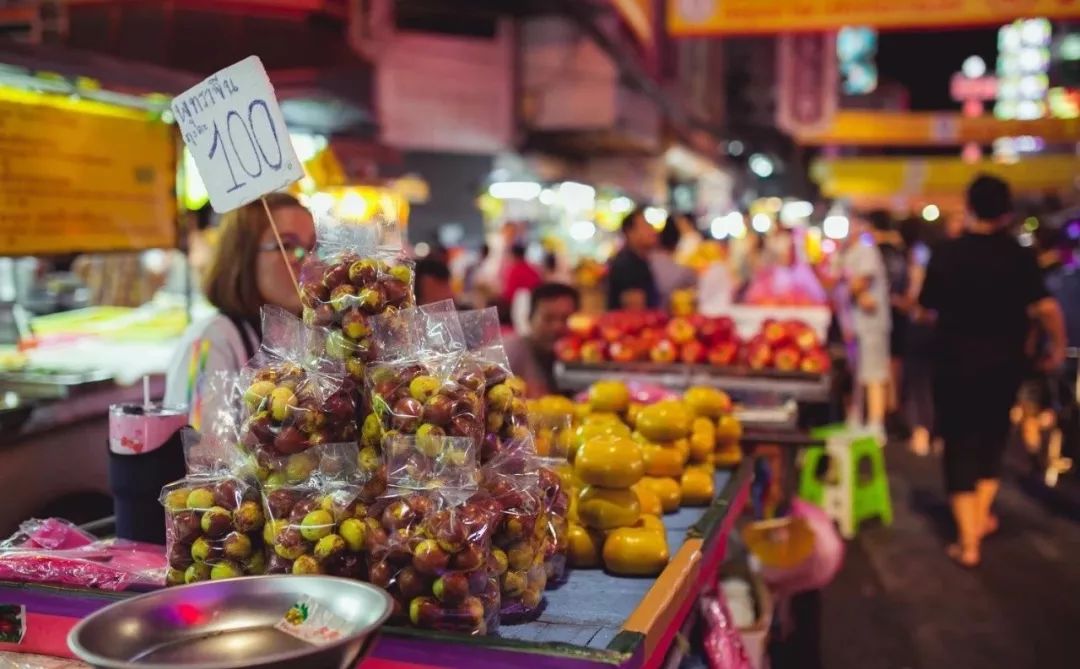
[78,176]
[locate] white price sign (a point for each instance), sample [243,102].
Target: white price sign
[233,126]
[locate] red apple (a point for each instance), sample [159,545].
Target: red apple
[774,333]
[568,349]
[655,319]
[758,353]
[815,362]
[582,325]
[715,330]
[681,330]
[624,350]
[692,352]
[787,358]
[594,350]
[807,340]
[724,353]
[664,351]
[649,337]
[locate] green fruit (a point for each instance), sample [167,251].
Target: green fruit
[200,550]
[256,394]
[371,432]
[500,398]
[305,564]
[237,547]
[200,498]
[225,569]
[329,546]
[275,480]
[430,439]
[282,402]
[354,532]
[423,387]
[176,500]
[299,467]
[199,571]
[174,576]
[249,517]
[271,529]
[316,525]
[216,521]
[402,273]
[256,564]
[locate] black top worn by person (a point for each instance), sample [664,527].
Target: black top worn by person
[981,286]
[629,271]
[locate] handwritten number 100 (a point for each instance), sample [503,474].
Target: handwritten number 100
[257,154]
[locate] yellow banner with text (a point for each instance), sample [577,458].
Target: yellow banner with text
[79,176]
[720,17]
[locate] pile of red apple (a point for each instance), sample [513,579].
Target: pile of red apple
[618,336]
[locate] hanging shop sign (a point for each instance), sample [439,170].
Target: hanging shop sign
[878,128]
[724,17]
[78,176]
[807,79]
[232,124]
[938,175]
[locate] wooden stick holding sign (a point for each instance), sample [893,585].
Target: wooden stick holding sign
[233,127]
[281,246]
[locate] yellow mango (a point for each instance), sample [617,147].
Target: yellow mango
[728,428]
[728,455]
[648,500]
[632,412]
[664,421]
[667,489]
[682,446]
[611,396]
[606,508]
[632,552]
[611,462]
[662,461]
[697,487]
[708,402]
[583,547]
[652,522]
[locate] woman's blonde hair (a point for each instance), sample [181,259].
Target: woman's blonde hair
[231,283]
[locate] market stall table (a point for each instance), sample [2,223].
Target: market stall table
[593,620]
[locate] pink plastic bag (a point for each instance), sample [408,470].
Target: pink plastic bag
[723,643]
[57,552]
[819,569]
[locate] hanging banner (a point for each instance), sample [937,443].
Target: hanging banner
[806,81]
[851,127]
[724,17]
[78,176]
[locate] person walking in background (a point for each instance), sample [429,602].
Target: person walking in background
[520,274]
[667,272]
[863,272]
[690,238]
[631,284]
[894,256]
[984,288]
[916,381]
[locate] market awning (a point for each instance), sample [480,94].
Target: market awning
[906,177]
[879,128]
[113,73]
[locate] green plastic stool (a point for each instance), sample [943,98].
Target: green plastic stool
[844,497]
[811,486]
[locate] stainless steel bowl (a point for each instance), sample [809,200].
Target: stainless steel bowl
[229,624]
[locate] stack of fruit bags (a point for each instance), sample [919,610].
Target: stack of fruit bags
[430,540]
[357,272]
[213,517]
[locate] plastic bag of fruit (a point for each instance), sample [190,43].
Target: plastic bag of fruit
[356,272]
[430,543]
[317,526]
[556,501]
[424,385]
[506,411]
[293,395]
[213,518]
[510,487]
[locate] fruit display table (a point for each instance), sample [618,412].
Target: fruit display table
[800,386]
[593,620]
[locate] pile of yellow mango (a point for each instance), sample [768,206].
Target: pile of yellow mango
[628,464]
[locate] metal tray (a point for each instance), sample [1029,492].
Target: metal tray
[230,624]
[53,385]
